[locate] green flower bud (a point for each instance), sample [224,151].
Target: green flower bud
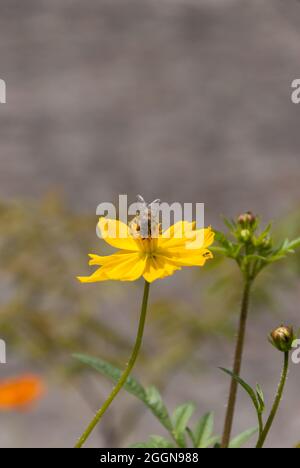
[245,235]
[282,338]
[266,243]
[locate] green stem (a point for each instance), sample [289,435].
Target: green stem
[237,365]
[124,375]
[277,401]
[260,424]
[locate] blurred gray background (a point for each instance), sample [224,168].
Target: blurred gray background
[183,100]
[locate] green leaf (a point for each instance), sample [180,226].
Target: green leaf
[294,244]
[222,239]
[230,224]
[261,398]
[257,257]
[285,245]
[245,386]
[157,406]
[180,418]
[150,396]
[154,442]
[276,258]
[236,250]
[191,435]
[212,442]
[141,445]
[160,442]
[264,233]
[132,385]
[242,438]
[203,430]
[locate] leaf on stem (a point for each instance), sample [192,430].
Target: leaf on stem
[180,419]
[149,396]
[204,430]
[105,368]
[242,438]
[261,398]
[155,403]
[154,442]
[245,386]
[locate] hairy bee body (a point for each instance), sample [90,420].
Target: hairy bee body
[146,222]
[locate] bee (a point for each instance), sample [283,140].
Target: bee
[146,222]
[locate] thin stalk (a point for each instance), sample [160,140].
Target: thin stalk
[237,364]
[125,374]
[260,425]
[276,403]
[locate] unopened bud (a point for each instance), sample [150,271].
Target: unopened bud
[245,235]
[247,219]
[282,338]
[266,243]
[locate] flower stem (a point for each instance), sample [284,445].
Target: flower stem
[237,364]
[260,424]
[277,401]
[125,373]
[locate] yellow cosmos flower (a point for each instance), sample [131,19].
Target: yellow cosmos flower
[182,245]
[144,251]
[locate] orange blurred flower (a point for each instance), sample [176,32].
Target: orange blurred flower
[20,392]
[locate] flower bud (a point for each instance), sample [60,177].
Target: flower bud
[247,219]
[282,338]
[266,243]
[245,235]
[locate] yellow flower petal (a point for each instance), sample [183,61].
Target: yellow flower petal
[122,267]
[158,268]
[102,260]
[177,234]
[129,268]
[203,239]
[117,234]
[98,259]
[186,259]
[94,278]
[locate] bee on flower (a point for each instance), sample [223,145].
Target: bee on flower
[145,251]
[146,222]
